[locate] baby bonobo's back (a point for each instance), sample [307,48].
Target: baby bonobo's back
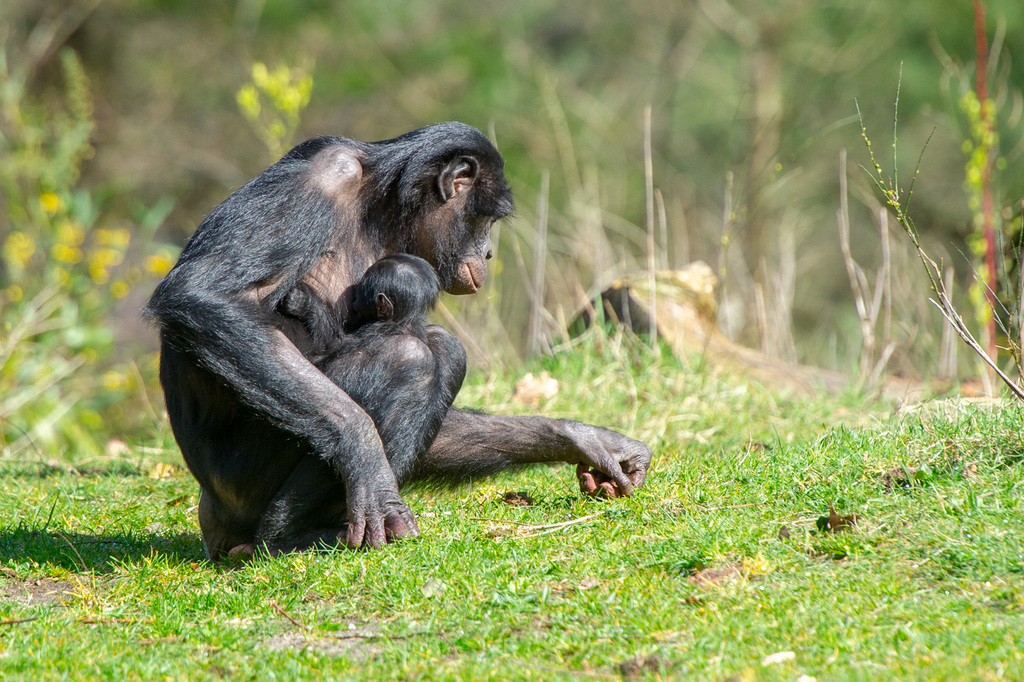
[398,290]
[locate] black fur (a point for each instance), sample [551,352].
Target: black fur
[291,454]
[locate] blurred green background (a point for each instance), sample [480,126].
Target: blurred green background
[122,126]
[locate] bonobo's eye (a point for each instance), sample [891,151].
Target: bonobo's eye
[484,224]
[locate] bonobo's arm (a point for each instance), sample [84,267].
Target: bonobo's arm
[472,444]
[225,334]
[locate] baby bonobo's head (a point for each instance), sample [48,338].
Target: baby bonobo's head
[399,287]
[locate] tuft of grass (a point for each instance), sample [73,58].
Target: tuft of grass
[716,568]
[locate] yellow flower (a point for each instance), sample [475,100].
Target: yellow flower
[49,202]
[18,248]
[14,293]
[66,254]
[260,76]
[117,239]
[112,380]
[120,238]
[159,263]
[98,272]
[69,233]
[249,101]
[119,289]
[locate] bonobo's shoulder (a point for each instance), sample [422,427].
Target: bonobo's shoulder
[334,164]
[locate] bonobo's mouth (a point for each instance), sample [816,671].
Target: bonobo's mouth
[476,279]
[467,280]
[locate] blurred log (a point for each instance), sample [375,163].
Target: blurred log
[685,310]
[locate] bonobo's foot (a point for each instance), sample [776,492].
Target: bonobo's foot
[240,554]
[377,518]
[611,465]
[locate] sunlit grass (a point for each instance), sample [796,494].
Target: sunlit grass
[715,565]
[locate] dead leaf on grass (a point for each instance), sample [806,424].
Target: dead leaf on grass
[639,665]
[714,577]
[517,499]
[834,523]
[530,390]
[433,588]
[116,448]
[784,533]
[778,657]
[570,586]
[905,477]
[161,470]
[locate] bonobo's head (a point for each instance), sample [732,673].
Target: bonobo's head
[399,287]
[451,189]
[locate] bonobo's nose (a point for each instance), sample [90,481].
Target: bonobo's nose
[490,254]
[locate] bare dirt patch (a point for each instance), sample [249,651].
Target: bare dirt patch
[717,576]
[41,592]
[357,645]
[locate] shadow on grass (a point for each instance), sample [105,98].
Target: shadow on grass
[97,553]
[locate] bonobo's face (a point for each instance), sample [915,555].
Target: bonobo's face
[456,239]
[469,272]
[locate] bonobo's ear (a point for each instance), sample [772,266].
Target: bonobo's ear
[457,177]
[385,309]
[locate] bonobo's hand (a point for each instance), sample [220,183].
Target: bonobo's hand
[610,464]
[377,516]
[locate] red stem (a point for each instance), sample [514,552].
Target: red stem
[988,228]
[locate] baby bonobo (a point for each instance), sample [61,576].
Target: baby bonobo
[397,291]
[385,334]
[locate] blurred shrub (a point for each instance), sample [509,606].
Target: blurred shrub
[272,103]
[63,272]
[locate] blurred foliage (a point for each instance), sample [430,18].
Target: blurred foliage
[751,103]
[63,272]
[273,101]
[759,92]
[992,146]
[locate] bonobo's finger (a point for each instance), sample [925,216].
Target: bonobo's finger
[399,526]
[588,486]
[356,530]
[637,477]
[374,537]
[622,487]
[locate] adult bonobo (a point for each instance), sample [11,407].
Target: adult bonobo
[285,458]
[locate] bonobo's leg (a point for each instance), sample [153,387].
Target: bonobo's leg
[278,409]
[309,510]
[473,444]
[406,385]
[224,443]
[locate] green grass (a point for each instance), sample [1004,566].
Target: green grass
[691,578]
